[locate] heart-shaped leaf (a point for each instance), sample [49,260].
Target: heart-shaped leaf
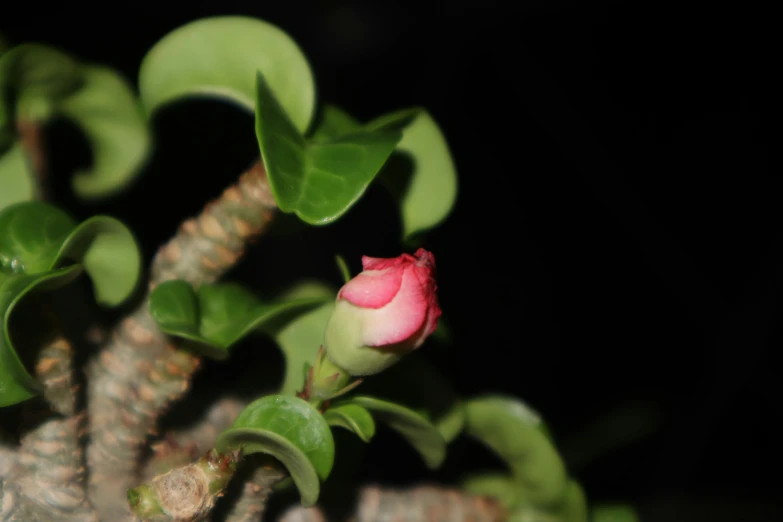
[292,431]
[420,173]
[425,390]
[16,178]
[106,110]
[317,180]
[300,337]
[353,418]
[214,317]
[514,431]
[16,383]
[219,57]
[614,513]
[36,237]
[415,428]
[42,82]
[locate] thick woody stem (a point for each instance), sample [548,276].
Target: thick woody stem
[426,504]
[140,371]
[50,482]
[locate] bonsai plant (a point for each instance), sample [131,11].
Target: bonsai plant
[350,352]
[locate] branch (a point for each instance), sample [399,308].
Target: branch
[252,501]
[50,479]
[140,371]
[425,504]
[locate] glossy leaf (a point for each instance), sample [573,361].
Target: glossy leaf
[292,431]
[353,418]
[37,237]
[219,56]
[214,317]
[106,110]
[425,391]
[17,181]
[317,180]
[420,173]
[16,384]
[514,431]
[614,513]
[300,337]
[419,432]
[501,486]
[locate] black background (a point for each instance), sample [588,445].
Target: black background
[615,252]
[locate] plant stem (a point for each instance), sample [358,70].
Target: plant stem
[31,135]
[252,501]
[139,371]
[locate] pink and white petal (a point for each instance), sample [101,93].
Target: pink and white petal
[379,263]
[398,320]
[372,288]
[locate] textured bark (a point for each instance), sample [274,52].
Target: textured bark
[8,457]
[255,494]
[139,371]
[302,514]
[50,482]
[426,504]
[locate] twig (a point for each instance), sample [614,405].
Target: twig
[31,135]
[253,499]
[140,371]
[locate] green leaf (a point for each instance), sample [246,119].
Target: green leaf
[16,384]
[614,513]
[318,180]
[415,428]
[106,110]
[219,57]
[214,317]
[37,237]
[425,390]
[334,122]
[514,431]
[16,178]
[353,418]
[501,486]
[292,431]
[43,82]
[299,338]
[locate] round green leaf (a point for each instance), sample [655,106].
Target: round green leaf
[414,427]
[37,237]
[106,110]
[16,384]
[292,431]
[318,180]
[353,418]
[514,431]
[614,513]
[16,178]
[219,57]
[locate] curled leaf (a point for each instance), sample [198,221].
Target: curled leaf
[290,430]
[219,56]
[353,418]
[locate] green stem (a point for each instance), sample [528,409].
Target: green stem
[140,371]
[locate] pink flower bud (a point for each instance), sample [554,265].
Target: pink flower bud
[383,313]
